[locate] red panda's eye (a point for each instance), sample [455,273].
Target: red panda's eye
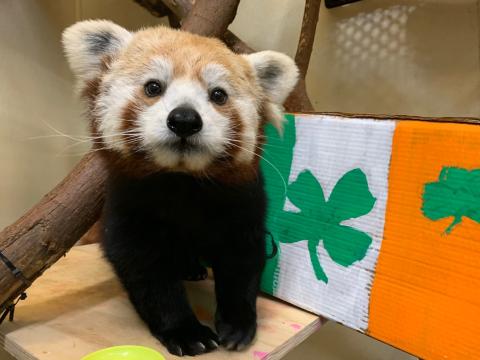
[218,96]
[153,88]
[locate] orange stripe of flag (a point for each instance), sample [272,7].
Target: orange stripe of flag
[426,293]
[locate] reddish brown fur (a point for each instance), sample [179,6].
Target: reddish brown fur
[129,119]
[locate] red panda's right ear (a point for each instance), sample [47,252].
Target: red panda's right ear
[88,43]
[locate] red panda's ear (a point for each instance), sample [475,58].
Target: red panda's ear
[88,43]
[277,74]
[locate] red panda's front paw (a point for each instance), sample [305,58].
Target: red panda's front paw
[193,339]
[238,336]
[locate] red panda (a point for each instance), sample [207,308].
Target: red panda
[179,120]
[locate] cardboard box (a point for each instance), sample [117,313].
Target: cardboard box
[377,226]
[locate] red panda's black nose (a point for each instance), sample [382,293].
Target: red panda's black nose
[184,121]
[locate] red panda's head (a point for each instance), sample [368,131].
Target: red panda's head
[166,100]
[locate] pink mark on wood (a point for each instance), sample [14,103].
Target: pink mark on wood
[296,326]
[259,355]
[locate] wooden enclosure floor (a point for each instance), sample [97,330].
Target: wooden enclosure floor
[78,307]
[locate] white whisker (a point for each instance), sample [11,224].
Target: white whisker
[267,161]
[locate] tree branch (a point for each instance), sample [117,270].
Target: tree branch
[235,44]
[180,8]
[299,99]
[307,35]
[49,229]
[211,17]
[155,7]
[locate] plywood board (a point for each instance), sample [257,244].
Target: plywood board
[78,307]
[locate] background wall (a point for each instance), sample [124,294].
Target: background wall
[36,94]
[418,57]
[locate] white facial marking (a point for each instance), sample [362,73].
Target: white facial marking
[216,75]
[159,69]
[118,92]
[247,109]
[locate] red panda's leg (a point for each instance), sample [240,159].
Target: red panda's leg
[237,281]
[163,305]
[147,262]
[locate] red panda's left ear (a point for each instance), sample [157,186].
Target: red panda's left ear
[277,74]
[88,43]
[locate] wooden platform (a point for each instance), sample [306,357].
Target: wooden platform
[78,307]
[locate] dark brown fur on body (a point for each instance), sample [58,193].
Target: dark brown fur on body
[159,228]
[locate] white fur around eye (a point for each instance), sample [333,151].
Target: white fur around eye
[159,69]
[216,75]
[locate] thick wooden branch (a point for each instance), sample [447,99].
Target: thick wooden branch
[158,9]
[299,99]
[237,45]
[211,17]
[51,228]
[155,7]
[181,8]
[307,35]
[48,230]
[208,18]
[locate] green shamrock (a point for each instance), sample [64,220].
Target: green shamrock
[456,193]
[320,220]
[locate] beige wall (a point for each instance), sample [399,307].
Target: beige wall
[36,94]
[34,90]
[416,57]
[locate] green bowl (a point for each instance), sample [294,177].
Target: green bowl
[126,352]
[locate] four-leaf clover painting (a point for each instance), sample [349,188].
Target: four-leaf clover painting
[456,194]
[319,220]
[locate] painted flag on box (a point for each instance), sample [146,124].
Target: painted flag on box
[377,226]
[328,217]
